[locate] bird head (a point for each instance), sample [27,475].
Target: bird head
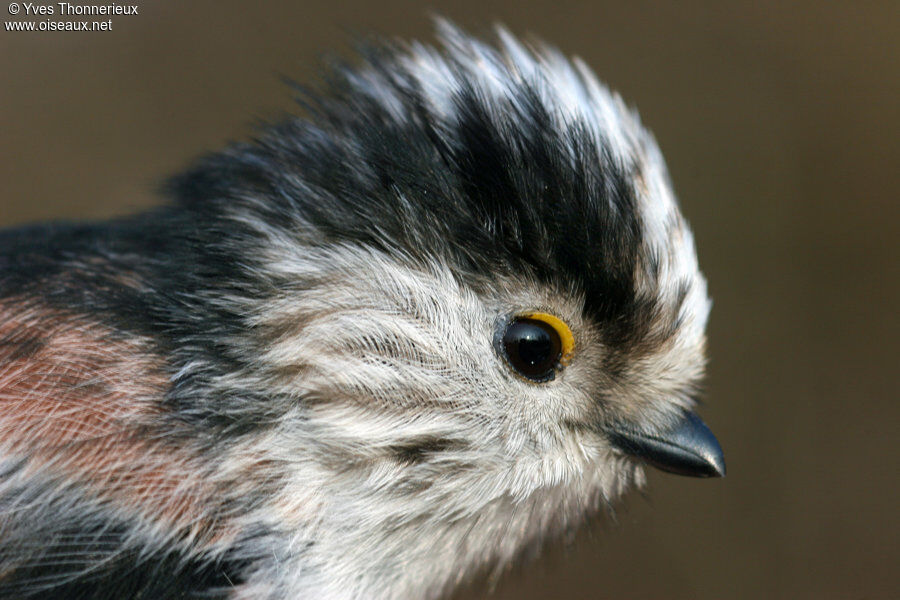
[470,297]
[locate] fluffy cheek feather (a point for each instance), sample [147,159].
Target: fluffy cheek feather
[81,405]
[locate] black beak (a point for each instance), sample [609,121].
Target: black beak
[689,448]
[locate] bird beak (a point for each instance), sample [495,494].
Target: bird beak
[688,448]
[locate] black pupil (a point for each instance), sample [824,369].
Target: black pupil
[533,348]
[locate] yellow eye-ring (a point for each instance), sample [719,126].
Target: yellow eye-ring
[536,345]
[565,334]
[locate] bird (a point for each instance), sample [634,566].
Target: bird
[448,311]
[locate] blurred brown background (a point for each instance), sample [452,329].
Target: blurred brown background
[780,123]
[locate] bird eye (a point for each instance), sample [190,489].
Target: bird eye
[536,345]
